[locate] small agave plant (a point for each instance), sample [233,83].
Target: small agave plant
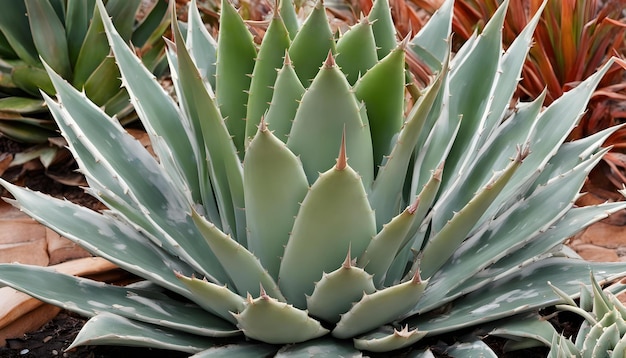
[603,332]
[321,210]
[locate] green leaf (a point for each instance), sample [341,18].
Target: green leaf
[356,51]
[161,203]
[471,88]
[335,292]
[319,348]
[505,295]
[381,251]
[245,270]
[271,321]
[431,43]
[472,348]
[238,350]
[103,84]
[334,216]
[111,329]
[77,20]
[287,10]
[16,31]
[213,144]
[285,101]
[385,197]
[382,89]
[49,36]
[269,60]
[219,300]
[382,342]
[23,105]
[383,27]
[158,113]
[312,44]
[444,243]
[32,80]
[93,50]
[202,47]
[327,109]
[89,298]
[102,235]
[389,303]
[235,64]
[274,186]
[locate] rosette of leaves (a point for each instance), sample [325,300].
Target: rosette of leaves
[319,210]
[62,34]
[603,331]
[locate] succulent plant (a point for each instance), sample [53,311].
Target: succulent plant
[342,215]
[603,332]
[61,33]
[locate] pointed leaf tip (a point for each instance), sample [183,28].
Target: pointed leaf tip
[348,262]
[342,160]
[414,206]
[416,277]
[522,152]
[287,59]
[262,292]
[330,60]
[262,125]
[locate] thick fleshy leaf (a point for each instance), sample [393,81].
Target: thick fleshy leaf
[334,217]
[158,112]
[245,350]
[212,136]
[244,269]
[89,298]
[381,342]
[471,94]
[102,235]
[270,58]
[271,321]
[472,347]
[525,330]
[385,198]
[49,36]
[235,64]
[381,251]
[335,292]
[431,42]
[383,27]
[505,295]
[274,186]
[202,47]
[327,109]
[319,348]
[382,90]
[445,242]
[213,298]
[16,31]
[111,329]
[356,50]
[126,159]
[286,98]
[389,303]
[312,44]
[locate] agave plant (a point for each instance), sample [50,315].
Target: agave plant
[61,33]
[573,39]
[340,216]
[603,332]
